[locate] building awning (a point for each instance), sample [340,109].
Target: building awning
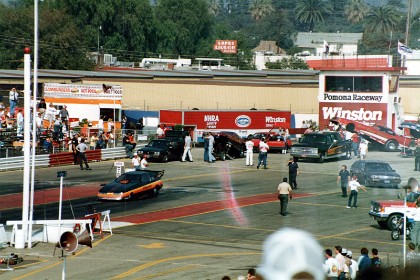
[110,106]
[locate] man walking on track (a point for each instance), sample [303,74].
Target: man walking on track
[285,192]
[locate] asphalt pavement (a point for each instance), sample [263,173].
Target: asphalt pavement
[210,219]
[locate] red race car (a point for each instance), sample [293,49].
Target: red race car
[276,142]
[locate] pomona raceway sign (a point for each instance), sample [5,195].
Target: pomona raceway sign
[228,119]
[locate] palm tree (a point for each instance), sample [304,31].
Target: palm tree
[356,11]
[382,19]
[312,11]
[261,8]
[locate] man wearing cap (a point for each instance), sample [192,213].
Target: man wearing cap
[352,264]
[354,190]
[285,192]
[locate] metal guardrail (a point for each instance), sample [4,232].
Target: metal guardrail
[12,163]
[113,153]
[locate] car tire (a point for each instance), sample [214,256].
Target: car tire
[395,234]
[392,221]
[165,159]
[391,146]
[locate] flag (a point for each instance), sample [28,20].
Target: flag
[403,49]
[326,47]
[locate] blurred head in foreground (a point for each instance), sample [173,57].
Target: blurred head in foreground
[291,254]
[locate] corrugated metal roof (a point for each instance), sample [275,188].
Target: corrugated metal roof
[315,40]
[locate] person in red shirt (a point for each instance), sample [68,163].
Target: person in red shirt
[355,139]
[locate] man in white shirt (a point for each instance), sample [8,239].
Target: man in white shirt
[13,99]
[341,261]
[143,163]
[187,148]
[354,191]
[135,162]
[159,132]
[330,266]
[211,144]
[249,152]
[352,264]
[262,157]
[50,114]
[20,124]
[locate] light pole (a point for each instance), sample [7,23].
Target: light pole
[99,32]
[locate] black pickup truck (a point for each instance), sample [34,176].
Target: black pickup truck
[321,146]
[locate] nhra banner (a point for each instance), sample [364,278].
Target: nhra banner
[364,113]
[219,120]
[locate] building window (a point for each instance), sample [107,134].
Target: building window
[353,84]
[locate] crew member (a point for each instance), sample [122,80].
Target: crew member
[285,192]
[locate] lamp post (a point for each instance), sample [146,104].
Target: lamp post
[99,32]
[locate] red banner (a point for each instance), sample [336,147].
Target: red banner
[219,120]
[226,46]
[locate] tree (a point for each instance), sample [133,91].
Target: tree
[181,24]
[288,63]
[312,11]
[382,20]
[260,9]
[356,11]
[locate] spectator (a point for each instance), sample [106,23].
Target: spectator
[64,115]
[93,141]
[13,99]
[58,129]
[291,254]
[20,123]
[376,260]
[42,106]
[135,162]
[341,261]
[123,122]
[413,258]
[262,156]
[352,265]
[363,149]
[159,132]
[143,163]
[47,145]
[364,262]
[74,143]
[111,139]
[110,124]
[49,116]
[187,149]
[251,274]
[101,142]
[330,266]
[128,145]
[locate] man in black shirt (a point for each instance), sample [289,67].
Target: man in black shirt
[74,143]
[344,179]
[293,172]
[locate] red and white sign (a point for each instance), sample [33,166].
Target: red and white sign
[233,120]
[226,46]
[80,90]
[361,112]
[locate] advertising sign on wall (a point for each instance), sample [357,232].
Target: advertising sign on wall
[236,120]
[226,46]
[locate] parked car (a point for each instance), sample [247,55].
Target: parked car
[375,173]
[133,184]
[228,144]
[276,142]
[169,148]
[321,146]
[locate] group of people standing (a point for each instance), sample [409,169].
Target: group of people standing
[349,186]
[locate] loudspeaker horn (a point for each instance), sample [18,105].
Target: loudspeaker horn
[84,239]
[68,242]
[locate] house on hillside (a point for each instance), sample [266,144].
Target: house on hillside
[269,48]
[338,43]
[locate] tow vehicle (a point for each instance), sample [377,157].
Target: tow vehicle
[377,133]
[387,212]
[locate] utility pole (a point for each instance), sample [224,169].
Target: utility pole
[407,26]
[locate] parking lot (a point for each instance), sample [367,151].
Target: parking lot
[210,220]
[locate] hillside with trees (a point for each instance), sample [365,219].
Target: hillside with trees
[134,29]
